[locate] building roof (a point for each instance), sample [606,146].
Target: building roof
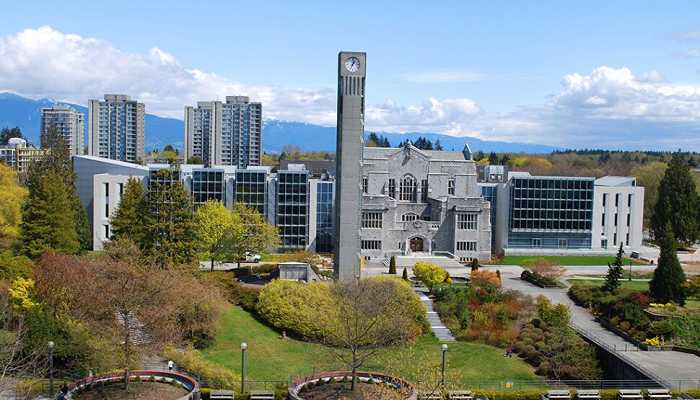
[616,181]
[436,155]
[111,162]
[527,175]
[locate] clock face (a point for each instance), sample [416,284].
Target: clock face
[352,64]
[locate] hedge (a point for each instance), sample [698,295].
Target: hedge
[537,279]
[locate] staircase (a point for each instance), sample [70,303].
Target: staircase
[439,329]
[442,261]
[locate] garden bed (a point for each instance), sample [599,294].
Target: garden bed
[337,386]
[137,391]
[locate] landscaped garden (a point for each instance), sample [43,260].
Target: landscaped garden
[137,391]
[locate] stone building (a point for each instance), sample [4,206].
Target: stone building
[422,202]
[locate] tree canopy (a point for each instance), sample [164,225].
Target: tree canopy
[12,196]
[677,204]
[668,281]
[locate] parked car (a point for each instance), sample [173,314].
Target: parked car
[250,257]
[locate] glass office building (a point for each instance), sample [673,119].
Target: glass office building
[208,185]
[251,189]
[324,216]
[292,205]
[550,212]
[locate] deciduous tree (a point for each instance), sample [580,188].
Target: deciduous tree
[253,235]
[12,196]
[215,224]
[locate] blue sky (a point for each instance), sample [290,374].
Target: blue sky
[588,74]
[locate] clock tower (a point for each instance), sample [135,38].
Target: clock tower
[352,68]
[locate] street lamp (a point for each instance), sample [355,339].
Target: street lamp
[51,345]
[444,352]
[244,347]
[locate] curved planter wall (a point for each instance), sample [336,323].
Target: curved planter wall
[184,381]
[299,384]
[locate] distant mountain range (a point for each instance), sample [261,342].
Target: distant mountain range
[25,113]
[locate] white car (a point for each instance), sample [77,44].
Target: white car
[250,257]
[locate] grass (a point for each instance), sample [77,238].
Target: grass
[272,358]
[566,260]
[624,283]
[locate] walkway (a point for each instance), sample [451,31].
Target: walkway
[673,369]
[439,329]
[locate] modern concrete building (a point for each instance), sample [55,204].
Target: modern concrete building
[116,128]
[564,215]
[420,202]
[224,133]
[69,123]
[352,72]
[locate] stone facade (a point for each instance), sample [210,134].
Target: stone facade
[421,201]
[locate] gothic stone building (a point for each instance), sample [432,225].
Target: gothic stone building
[422,202]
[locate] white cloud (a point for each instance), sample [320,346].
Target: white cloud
[691,35]
[691,53]
[442,76]
[608,107]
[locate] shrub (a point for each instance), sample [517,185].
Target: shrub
[545,268]
[192,361]
[430,274]
[392,265]
[537,279]
[485,278]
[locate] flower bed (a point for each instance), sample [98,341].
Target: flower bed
[189,385]
[328,385]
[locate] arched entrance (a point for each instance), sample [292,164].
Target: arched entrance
[416,244]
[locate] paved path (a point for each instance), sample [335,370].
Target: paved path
[439,329]
[669,367]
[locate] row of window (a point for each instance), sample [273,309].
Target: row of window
[371,244]
[615,220]
[617,200]
[467,221]
[466,246]
[408,188]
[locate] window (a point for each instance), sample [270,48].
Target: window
[121,190]
[408,217]
[615,219]
[617,199]
[628,219]
[371,244]
[603,220]
[407,189]
[466,246]
[372,219]
[627,239]
[106,188]
[563,243]
[392,188]
[629,200]
[615,238]
[365,184]
[451,187]
[466,221]
[105,229]
[605,199]
[536,243]
[604,243]
[424,190]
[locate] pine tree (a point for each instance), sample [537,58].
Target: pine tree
[475,265]
[404,274]
[438,145]
[677,204]
[170,233]
[130,219]
[48,218]
[615,271]
[493,158]
[392,265]
[668,280]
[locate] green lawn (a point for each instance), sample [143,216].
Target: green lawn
[566,260]
[273,358]
[624,283]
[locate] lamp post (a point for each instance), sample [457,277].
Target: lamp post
[444,353]
[51,345]
[630,278]
[244,347]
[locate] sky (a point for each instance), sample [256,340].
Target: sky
[617,75]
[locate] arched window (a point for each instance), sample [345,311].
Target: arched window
[408,189]
[409,217]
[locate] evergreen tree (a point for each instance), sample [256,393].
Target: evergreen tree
[438,145]
[615,271]
[392,265]
[131,218]
[55,163]
[505,159]
[8,133]
[404,274]
[668,280]
[475,265]
[493,159]
[170,233]
[677,204]
[48,218]
[478,156]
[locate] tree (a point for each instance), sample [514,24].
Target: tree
[253,235]
[56,162]
[8,133]
[12,197]
[493,158]
[669,278]
[214,223]
[430,274]
[475,265]
[48,218]
[404,274]
[366,321]
[170,233]
[438,145]
[195,160]
[649,176]
[505,159]
[392,265]
[615,271]
[677,204]
[130,219]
